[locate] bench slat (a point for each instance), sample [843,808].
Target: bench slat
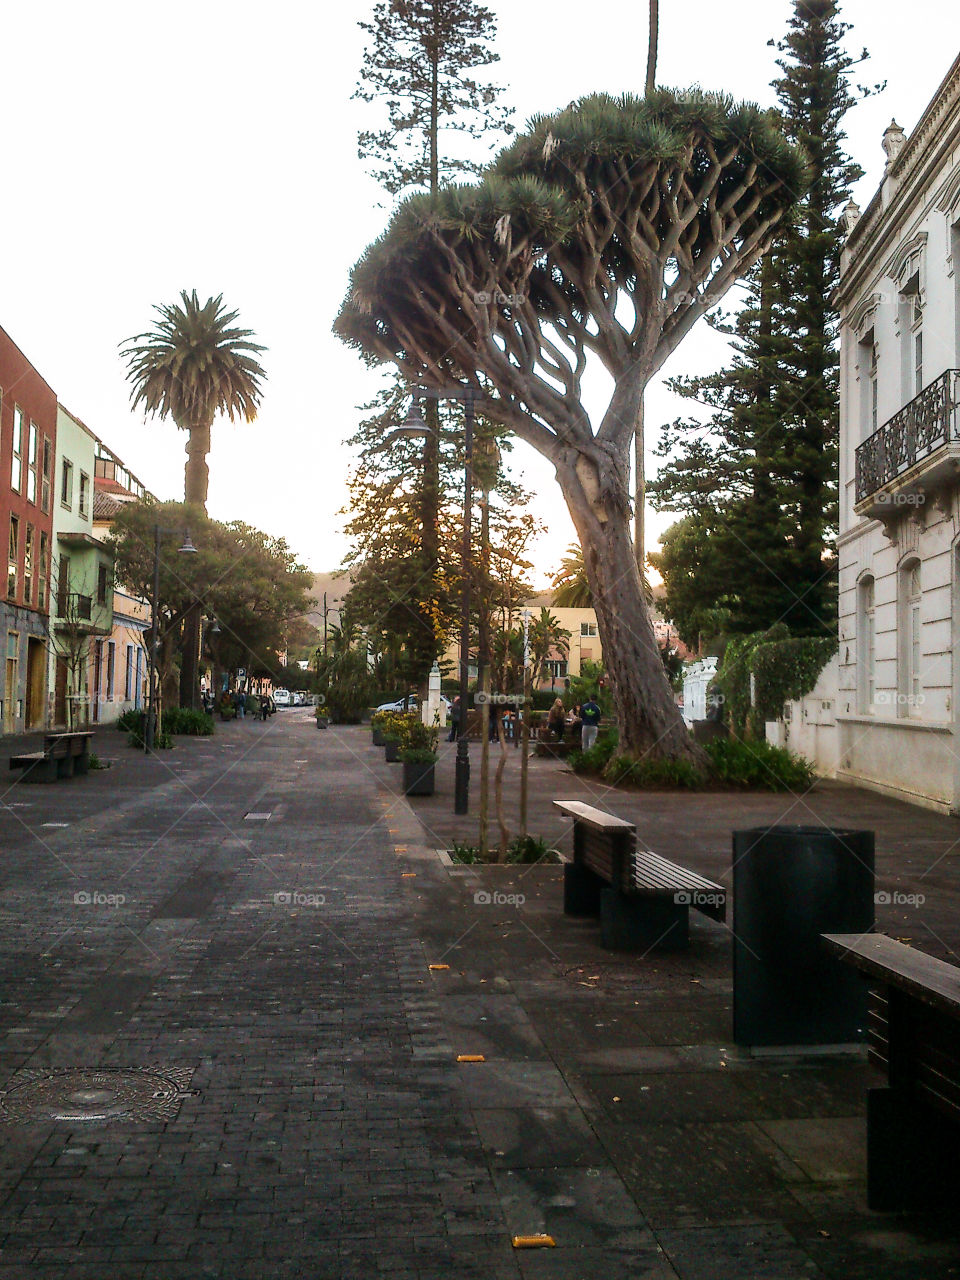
[593,817]
[928,979]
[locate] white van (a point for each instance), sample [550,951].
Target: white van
[282,697]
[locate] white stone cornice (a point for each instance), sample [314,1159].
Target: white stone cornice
[910,254]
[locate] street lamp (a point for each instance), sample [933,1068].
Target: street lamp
[415,425]
[186,549]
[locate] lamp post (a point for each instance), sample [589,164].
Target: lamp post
[414,425]
[186,549]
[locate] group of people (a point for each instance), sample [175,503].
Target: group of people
[240,701]
[582,720]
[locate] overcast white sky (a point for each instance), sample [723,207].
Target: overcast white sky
[208,145]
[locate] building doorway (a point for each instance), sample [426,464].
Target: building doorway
[10,684]
[36,682]
[60,693]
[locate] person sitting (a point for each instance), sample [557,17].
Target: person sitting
[556,719]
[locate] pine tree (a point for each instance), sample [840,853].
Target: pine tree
[421,62]
[767,468]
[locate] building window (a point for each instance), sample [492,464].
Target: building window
[555,668]
[128,679]
[45,473]
[588,628]
[867,372]
[866,644]
[13,558]
[111,655]
[84,495]
[101,584]
[32,463]
[16,465]
[44,569]
[28,542]
[63,586]
[66,484]
[910,684]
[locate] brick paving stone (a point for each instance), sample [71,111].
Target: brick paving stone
[326,1129]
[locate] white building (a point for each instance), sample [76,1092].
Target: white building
[899,544]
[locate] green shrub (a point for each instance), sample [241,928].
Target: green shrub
[197,724]
[464,852]
[654,774]
[131,721]
[760,765]
[162,741]
[529,849]
[418,755]
[595,760]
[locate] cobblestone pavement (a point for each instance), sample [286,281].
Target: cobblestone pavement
[231,942]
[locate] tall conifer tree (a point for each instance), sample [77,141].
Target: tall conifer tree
[421,63]
[766,463]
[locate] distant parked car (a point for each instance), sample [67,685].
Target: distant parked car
[282,697]
[298,699]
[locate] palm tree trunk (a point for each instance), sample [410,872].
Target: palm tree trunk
[652,46]
[196,473]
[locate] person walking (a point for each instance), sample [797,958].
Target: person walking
[590,715]
[264,706]
[241,703]
[454,719]
[556,719]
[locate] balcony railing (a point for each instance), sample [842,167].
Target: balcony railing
[929,422]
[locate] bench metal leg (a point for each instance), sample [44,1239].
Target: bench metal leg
[581,890]
[911,1154]
[636,923]
[65,767]
[81,764]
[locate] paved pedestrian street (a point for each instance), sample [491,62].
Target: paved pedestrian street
[223,1052]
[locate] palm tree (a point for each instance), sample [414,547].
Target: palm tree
[571,588]
[190,367]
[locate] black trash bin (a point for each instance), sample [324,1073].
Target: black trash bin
[790,885]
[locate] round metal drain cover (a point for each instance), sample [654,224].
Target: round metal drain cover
[125,1093]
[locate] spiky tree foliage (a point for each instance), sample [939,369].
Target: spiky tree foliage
[190,367]
[571,590]
[762,473]
[603,233]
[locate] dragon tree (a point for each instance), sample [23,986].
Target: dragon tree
[600,235]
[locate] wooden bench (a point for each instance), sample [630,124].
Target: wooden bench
[913,1034]
[63,755]
[643,900]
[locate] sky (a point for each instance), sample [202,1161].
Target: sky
[212,146]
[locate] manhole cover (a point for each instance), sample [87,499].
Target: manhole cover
[126,1093]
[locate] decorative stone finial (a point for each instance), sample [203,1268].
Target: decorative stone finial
[851,215]
[893,140]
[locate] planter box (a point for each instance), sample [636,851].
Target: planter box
[418,779]
[391,747]
[377,736]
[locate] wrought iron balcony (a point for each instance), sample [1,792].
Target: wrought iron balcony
[914,453]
